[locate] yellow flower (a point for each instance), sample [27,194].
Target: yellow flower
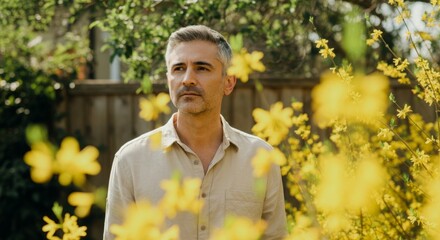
[325,50]
[73,164]
[363,186]
[385,134]
[375,35]
[40,158]
[321,43]
[238,228]
[361,99]
[143,221]
[420,158]
[402,113]
[71,229]
[51,227]
[297,106]
[396,2]
[153,106]
[181,196]
[83,202]
[156,140]
[274,124]
[245,63]
[263,160]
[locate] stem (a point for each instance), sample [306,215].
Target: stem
[409,148]
[397,220]
[413,122]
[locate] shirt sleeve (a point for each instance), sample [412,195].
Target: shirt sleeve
[119,196]
[274,208]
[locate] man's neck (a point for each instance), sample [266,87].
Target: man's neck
[202,133]
[199,130]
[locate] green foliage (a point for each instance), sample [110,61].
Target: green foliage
[34,67]
[139,30]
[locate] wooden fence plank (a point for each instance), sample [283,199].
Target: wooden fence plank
[242,109]
[97,133]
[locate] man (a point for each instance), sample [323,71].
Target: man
[198,143]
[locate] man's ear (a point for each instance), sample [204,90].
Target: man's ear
[229,84]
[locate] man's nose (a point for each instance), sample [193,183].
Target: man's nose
[189,78]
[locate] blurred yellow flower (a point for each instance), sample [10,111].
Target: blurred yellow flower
[274,124]
[156,140]
[263,160]
[180,196]
[364,186]
[239,228]
[420,158]
[344,186]
[330,193]
[83,202]
[69,227]
[153,106]
[143,221]
[431,210]
[51,227]
[40,159]
[385,134]
[72,164]
[362,99]
[244,63]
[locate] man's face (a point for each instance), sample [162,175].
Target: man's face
[195,77]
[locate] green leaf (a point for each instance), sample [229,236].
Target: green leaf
[353,40]
[36,133]
[392,123]
[236,42]
[57,209]
[392,98]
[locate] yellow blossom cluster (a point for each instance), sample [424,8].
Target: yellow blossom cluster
[244,63]
[239,228]
[69,162]
[146,221]
[180,196]
[68,226]
[325,51]
[264,160]
[428,80]
[362,99]
[274,124]
[153,106]
[375,36]
[397,71]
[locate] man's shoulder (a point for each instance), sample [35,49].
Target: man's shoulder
[140,143]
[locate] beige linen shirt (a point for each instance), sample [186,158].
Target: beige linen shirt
[228,187]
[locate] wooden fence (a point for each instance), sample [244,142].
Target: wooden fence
[106,114]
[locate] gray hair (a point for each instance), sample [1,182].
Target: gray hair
[203,33]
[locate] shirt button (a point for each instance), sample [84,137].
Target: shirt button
[203,228]
[196,162]
[203,195]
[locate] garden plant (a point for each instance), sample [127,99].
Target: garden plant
[375,175]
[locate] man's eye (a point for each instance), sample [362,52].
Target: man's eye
[178,69]
[202,69]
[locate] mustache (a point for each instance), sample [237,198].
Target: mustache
[189,89]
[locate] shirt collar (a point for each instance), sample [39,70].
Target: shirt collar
[169,134]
